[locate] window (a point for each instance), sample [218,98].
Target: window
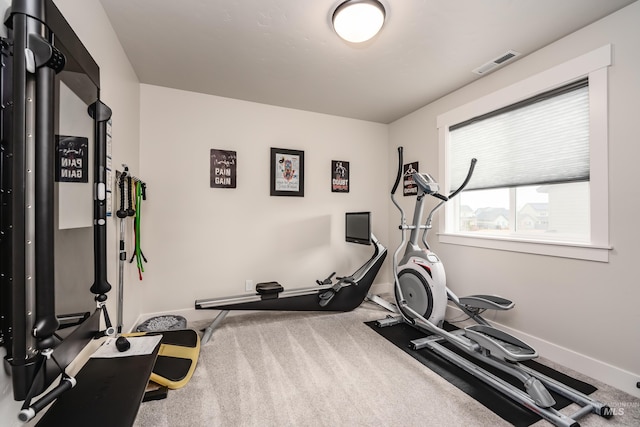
[540,184]
[534,162]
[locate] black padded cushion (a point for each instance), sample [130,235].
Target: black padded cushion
[172,368]
[183,338]
[269,288]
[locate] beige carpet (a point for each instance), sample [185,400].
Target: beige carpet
[326,369]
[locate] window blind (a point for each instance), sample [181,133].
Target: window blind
[541,140]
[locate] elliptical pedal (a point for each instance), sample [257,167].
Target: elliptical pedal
[500,344]
[490,302]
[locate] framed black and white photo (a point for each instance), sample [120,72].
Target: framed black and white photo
[339,176]
[223,168]
[287,172]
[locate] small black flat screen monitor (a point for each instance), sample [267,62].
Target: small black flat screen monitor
[358,227]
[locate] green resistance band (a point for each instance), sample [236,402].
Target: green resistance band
[138,250]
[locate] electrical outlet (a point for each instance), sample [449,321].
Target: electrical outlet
[248,285]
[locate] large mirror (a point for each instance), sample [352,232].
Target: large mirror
[76,88]
[75,154]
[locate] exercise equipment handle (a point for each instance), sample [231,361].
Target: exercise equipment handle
[130,210]
[466,180]
[30,412]
[440,196]
[348,280]
[399,175]
[122,212]
[326,281]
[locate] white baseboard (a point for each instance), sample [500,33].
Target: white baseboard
[597,369]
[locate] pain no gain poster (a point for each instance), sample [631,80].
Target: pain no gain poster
[223,171]
[72,159]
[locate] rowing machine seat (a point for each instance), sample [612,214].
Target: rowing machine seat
[269,290]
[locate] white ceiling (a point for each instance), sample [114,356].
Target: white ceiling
[285,53]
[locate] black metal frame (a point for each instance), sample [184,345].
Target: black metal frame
[274,191]
[6,206]
[41,44]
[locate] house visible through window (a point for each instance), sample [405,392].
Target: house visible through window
[541,181]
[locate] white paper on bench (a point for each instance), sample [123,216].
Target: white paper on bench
[139,347]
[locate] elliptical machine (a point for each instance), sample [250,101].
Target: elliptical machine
[421,295]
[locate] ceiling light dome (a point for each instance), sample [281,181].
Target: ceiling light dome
[357,21]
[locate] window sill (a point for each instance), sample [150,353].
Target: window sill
[557,249]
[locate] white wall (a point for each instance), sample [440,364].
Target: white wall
[120,91]
[204,242]
[564,305]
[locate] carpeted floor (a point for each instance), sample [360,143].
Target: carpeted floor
[327,369]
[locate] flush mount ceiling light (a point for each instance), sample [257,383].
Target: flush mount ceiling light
[357,21]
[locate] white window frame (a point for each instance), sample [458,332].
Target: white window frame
[593,65]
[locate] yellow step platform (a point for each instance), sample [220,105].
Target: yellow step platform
[177,357]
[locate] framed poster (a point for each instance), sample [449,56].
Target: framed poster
[409,188]
[223,168]
[339,176]
[72,159]
[287,172]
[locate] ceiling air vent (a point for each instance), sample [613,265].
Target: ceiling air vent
[500,60]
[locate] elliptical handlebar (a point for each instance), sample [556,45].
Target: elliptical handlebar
[402,218]
[466,180]
[441,197]
[399,175]
[446,199]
